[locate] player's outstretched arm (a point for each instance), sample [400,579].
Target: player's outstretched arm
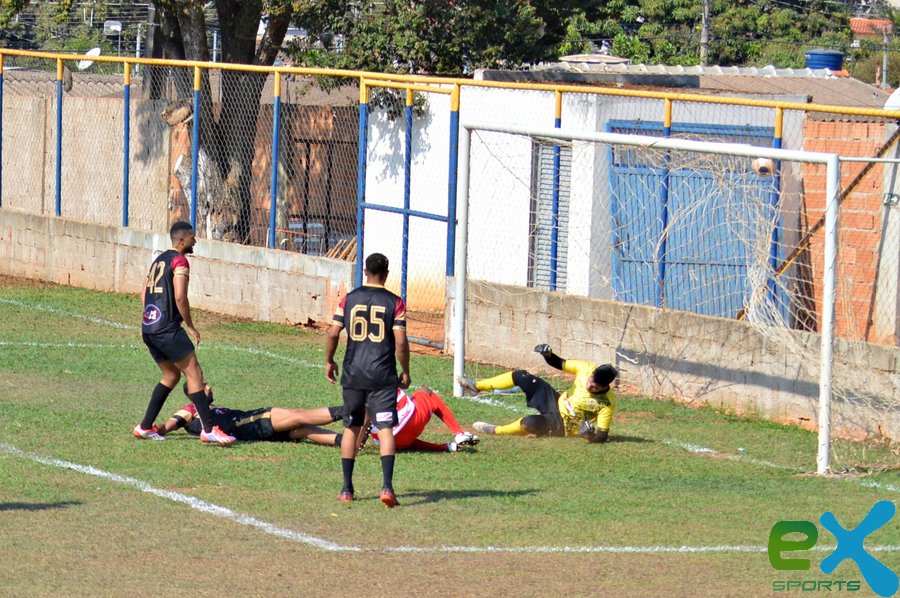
[552,359]
[170,425]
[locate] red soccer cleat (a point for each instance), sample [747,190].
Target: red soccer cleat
[388,498]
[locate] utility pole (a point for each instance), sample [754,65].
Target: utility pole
[704,35]
[884,59]
[137,52]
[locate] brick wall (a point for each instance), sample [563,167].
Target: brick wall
[860,217]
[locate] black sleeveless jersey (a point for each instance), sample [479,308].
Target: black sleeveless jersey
[370,314]
[160,312]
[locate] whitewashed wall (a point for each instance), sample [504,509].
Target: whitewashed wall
[500,183]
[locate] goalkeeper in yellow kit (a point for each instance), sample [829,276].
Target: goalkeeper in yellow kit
[585,409]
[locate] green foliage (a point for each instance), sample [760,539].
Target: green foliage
[631,47]
[867,64]
[60,27]
[9,9]
[436,36]
[742,32]
[14,35]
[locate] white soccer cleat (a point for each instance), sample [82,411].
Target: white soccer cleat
[151,434]
[484,427]
[217,436]
[468,386]
[465,439]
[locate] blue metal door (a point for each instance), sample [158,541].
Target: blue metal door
[713,222]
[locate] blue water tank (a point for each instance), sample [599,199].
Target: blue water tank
[825,59]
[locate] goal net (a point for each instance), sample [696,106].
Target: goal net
[701,264]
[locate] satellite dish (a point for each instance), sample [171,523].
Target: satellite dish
[83,64]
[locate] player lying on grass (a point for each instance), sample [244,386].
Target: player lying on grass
[414,413]
[266,423]
[293,425]
[585,409]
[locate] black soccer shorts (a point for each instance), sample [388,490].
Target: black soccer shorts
[172,345]
[381,406]
[253,425]
[543,397]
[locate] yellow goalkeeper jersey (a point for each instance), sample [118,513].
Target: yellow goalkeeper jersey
[577,405]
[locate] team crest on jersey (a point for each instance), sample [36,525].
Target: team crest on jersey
[152,315]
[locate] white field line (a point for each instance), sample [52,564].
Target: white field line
[484,400]
[69,314]
[121,326]
[191,501]
[301,538]
[70,345]
[694,448]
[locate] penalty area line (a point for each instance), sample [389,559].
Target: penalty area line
[294,536]
[191,501]
[120,326]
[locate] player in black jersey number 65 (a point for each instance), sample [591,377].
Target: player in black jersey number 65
[164,297]
[375,319]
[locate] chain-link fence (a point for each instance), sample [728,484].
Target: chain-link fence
[73,162]
[81,174]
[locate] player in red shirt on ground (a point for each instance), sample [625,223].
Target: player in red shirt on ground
[413,414]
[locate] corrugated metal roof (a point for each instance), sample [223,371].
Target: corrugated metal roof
[833,91]
[818,86]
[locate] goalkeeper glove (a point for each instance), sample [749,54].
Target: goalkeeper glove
[544,349]
[586,430]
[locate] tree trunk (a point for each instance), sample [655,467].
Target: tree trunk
[228,122]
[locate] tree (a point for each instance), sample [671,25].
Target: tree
[743,32]
[226,135]
[180,32]
[438,37]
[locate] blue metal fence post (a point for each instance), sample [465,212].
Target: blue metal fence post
[664,211]
[407,178]
[451,180]
[273,201]
[195,146]
[774,199]
[361,175]
[126,151]
[59,124]
[554,209]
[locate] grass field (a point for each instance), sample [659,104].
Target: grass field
[670,507]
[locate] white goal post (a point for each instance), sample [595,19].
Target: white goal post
[831,162]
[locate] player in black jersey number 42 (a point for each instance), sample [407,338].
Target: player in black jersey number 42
[164,298]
